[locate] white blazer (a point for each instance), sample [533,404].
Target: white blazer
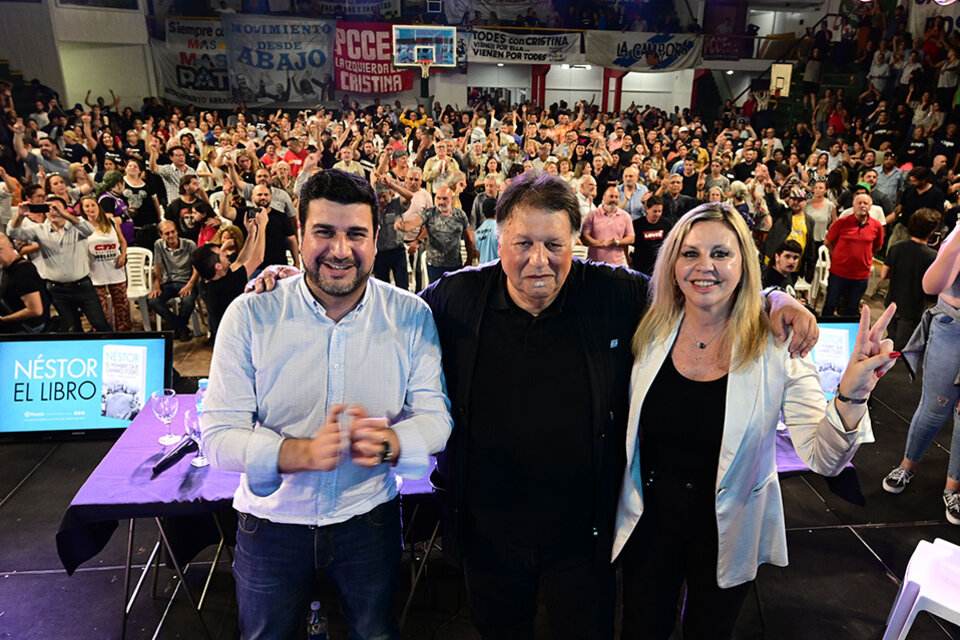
[749,507]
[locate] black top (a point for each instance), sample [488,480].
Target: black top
[181,213]
[549,498]
[17,280]
[911,200]
[279,228]
[648,238]
[223,291]
[908,261]
[773,278]
[680,439]
[606,303]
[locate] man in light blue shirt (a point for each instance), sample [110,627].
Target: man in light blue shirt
[889,177]
[296,375]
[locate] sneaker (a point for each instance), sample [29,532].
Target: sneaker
[897,480]
[184,335]
[951,499]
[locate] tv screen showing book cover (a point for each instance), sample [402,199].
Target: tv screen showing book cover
[76,384]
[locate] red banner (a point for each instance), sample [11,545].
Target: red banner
[363,59]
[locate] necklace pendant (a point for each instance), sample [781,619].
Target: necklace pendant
[701,345]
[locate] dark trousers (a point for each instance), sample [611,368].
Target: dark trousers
[435,273]
[838,287]
[276,565]
[503,581]
[392,261]
[71,300]
[900,329]
[169,291]
[675,542]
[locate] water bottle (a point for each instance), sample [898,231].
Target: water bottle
[316,622]
[201,392]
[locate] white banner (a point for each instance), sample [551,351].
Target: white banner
[636,51]
[488,45]
[192,63]
[279,61]
[506,11]
[921,13]
[356,7]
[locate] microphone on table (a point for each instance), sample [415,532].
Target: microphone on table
[185,446]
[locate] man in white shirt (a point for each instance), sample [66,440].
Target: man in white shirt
[586,192]
[320,465]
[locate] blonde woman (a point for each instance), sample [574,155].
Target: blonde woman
[107,251]
[700,502]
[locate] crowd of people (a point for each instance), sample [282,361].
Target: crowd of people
[709,206]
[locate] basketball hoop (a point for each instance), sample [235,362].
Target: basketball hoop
[425,67]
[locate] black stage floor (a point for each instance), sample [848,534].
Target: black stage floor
[845,560]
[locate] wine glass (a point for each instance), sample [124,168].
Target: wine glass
[191,424]
[165,406]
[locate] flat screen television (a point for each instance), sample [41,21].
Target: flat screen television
[76,385]
[832,353]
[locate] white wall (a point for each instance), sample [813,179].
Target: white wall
[663,90]
[97,67]
[515,76]
[449,87]
[27,40]
[573,85]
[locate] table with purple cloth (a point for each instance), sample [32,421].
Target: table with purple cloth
[123,487]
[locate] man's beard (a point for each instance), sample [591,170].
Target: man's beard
[336,287]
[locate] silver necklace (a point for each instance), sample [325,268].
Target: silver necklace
[703,345]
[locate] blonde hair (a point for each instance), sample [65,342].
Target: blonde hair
[232,231]
[748,324]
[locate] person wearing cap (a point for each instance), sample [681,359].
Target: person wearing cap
[62,239]
[852,241]
[788,221]
[889,177]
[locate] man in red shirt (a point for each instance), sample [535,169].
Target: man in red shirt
[852,241]
[295,155]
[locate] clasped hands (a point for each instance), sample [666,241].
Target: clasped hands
[366,440]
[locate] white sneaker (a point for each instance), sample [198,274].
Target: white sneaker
[951,500]
[897,480]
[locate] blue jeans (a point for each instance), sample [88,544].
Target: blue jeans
[836,287]
[939,397]
[169,291]
[434,273]
[276,564]
[395,261]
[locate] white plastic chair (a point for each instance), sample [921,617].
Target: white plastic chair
[931,583]
[821,274]
[139,269]
[580,251]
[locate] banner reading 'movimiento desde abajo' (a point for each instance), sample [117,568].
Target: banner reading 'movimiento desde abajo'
[279,61]
[644,51]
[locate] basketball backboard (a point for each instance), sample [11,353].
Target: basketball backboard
[415,44]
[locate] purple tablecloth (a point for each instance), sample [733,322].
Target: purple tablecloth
[122,487]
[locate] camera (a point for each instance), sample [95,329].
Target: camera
[38,208]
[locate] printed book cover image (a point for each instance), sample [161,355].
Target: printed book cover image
[832,355]
[123,391]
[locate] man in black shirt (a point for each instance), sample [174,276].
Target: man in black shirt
[180,211]
[744,170]
[948,144]
[223,280]
[782,272]
[675,204]
[279,234]
[649,232]
[905,264]
[921,193]
[24,307]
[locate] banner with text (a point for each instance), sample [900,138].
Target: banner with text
[921,14]
[356,7]
[644,51]
[506,11]
[489,45]
[280,61]
[363,59]
[192,63]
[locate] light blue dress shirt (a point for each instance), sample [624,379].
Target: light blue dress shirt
[278,366]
